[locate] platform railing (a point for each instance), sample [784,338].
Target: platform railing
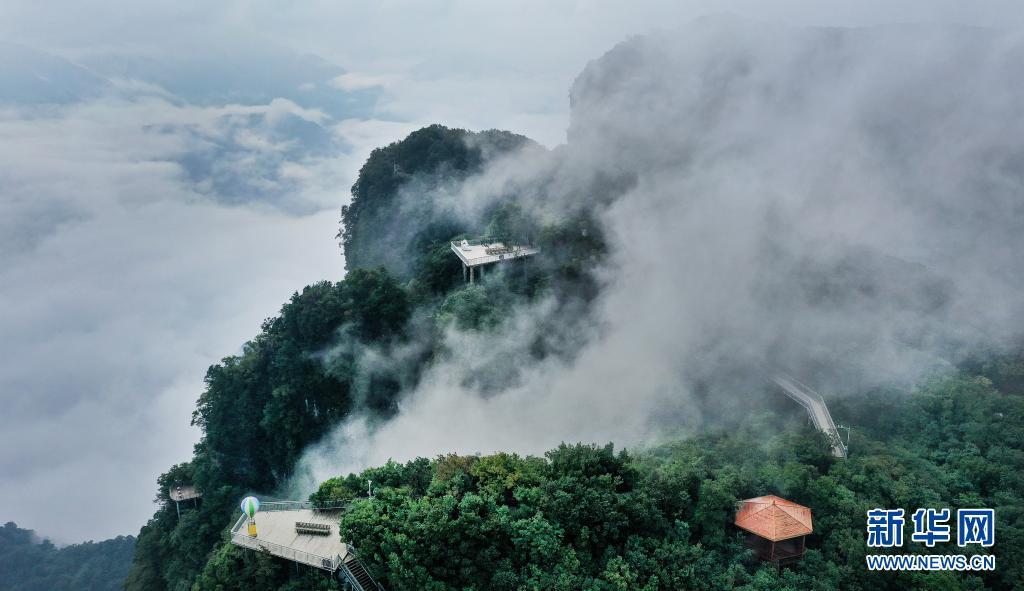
[300,556]
[816,409]
[242,538]
[298,506]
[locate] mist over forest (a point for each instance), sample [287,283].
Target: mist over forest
[735,200]
[758,202]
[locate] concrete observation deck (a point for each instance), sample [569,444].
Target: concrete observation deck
[276,534]
[183,492]
[477,253]
[296,531]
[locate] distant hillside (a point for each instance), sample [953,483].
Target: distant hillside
[30,564]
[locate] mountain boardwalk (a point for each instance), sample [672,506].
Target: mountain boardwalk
[299,532]
[816,409]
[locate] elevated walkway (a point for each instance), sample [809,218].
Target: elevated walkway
[299,532]
[814,404]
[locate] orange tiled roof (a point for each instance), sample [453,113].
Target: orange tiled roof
[774,518]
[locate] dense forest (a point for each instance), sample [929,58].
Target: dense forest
[588,517]
[749,287]
[30,564]
[582,516]
[311,365]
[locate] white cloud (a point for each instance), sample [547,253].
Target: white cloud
[120,284]
[143,237]
[357,81]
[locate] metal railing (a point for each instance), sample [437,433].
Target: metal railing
[346,571]
[816,409]
[299,505]
[240,538]
[505,240]
[481,241]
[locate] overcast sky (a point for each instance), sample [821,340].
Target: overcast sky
[170,173]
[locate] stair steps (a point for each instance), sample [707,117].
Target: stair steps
[358,576]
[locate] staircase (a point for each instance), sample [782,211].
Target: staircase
[355,573]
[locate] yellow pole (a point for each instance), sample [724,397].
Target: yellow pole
[252,528]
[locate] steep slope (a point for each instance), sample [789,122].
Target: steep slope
[407,194]
[717,212]
[351,348]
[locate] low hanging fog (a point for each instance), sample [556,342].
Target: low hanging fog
[842,204]
[172,172]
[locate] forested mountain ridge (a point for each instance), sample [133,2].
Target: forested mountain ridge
[588,518]
[684,257]
[30,564]
[286,399]
[311,366]
[398,202]
[582,517]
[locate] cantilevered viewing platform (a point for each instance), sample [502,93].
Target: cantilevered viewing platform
[277,534]
[476,253]
[183,492]
[299,532]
